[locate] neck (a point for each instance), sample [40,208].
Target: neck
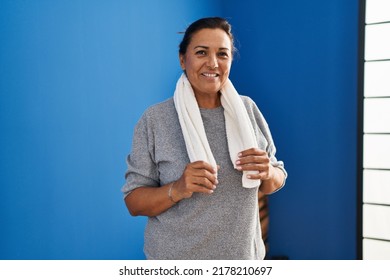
[208,102]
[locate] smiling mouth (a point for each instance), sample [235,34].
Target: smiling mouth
[210,75]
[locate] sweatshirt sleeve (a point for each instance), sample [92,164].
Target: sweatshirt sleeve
[141,167]
[261,125]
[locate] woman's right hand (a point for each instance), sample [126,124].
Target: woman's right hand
[198,176]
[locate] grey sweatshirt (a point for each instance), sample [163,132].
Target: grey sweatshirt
[223,225]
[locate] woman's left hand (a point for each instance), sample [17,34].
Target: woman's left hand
[255,159]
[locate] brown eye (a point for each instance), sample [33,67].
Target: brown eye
[223,54]
[201,52]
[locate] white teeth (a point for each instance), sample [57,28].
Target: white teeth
[210,75]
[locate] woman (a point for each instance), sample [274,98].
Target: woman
[199,159]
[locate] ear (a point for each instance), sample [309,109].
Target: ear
[182,60]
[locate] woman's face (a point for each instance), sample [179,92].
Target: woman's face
[207,61]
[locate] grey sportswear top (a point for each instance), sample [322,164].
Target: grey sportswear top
[223,225]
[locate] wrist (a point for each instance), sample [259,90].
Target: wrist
[171,194]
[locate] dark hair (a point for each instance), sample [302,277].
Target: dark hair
[211,23]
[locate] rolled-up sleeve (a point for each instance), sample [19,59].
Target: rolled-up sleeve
[141,167]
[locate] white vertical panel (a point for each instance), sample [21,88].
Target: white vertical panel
[377,41]
[376,151]
[376,186]
[377,115]
[376,221]
[377,78]
[376,250]
[377,11]
[376,148]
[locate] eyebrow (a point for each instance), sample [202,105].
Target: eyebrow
[205,47]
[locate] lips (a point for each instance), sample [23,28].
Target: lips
[210,75]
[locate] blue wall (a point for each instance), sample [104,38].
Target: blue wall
[299,62]
[75,76]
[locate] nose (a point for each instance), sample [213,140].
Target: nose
[212,62]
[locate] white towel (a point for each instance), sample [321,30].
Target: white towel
[239,130]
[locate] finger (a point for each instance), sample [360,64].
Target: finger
[204,182]
[251,167]
[255,176]
[251,151]
[204,165]
[200,189]
[253,159]
[254,167]
[203,173]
